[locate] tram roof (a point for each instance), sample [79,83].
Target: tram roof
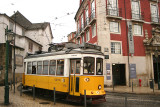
[72,49]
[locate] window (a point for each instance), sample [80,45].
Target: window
[93,9]
[39,69]
[135,10]
[89,63]
[29,68]
[137,29]
[45,67]
[99,66]
[112,6]
[52,68]
[75,66]
[93,30]
[60,67]
[30,46]
[115,48]
[34,67]
[10,26]
[82,25]
[87,36]
[78,41]
[154,13]
[87,19]
[114,27]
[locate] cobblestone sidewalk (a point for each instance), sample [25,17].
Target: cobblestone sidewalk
[26,101]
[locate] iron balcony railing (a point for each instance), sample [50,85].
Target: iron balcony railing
[116,12]
[86,22]
[137,15]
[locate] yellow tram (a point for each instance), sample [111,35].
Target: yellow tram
[70,69]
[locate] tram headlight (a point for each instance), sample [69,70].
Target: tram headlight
[99,87]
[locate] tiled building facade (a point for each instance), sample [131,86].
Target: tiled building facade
[128,32]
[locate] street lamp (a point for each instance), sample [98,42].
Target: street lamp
[9,38]
[156,55]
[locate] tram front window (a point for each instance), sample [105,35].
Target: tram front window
[99,66]
[89,63]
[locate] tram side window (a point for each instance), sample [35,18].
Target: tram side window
[45,67]
[60,67]
[78,66]
[99,66]
[34,67]
[29,68]
[52,68]
[89,63]
[39,70]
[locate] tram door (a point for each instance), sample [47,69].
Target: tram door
[74,76]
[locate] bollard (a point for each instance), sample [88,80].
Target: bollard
[21,89]
[85,103]
[33,90]
[132,86]
[11,84]
[16,80]
[54,93]
[113,86]
[153,84]
[125,99]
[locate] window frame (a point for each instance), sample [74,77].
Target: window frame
[44,67]
[87,36]
[120,48]
[58,68]
[52,65]
[89,65]
[136,34]
[94,30]
[113,31]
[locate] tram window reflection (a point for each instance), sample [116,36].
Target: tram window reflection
[78,66]
[89,63]
[29,68]
[99,66]
[34,67]
[52,69]
[45,67]
[60,67]
[39,70]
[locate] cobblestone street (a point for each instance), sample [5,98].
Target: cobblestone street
[27,101]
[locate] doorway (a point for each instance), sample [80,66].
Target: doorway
[118,74]
[156,67]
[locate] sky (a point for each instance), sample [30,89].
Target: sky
[60,14]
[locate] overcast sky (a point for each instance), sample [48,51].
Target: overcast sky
[60,13]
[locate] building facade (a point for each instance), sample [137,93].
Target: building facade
[29,38]
[128,32]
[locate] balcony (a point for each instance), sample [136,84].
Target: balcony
[114,12]
[137,16]
[92,17]
[155,19]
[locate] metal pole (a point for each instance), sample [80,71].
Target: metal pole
[153,84]
[33,92]
[21,89]
[11,84]
[85,103]
[6,96]
[54,92]
[132,86]
[125,99]
[158,74]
